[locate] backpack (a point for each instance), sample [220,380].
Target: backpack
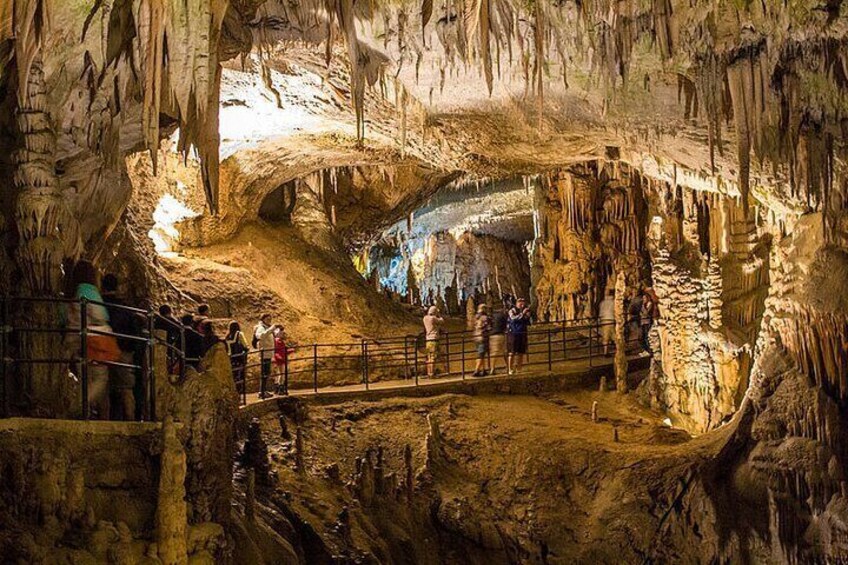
[255,342]
[235,346]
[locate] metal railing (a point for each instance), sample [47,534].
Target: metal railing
[70,350]
[318,365]
[306,367]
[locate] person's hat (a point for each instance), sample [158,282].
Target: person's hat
[520,300]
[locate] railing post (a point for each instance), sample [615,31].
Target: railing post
[462,355]
[415,359]
[365,358]
[285,376]
[564,340]
[406,357]
[550,361]
[83,329]
[244,376]
[591,327]
[447,355]
[315,367]
[182,355]
[151,373]
[263,378]
[4,352]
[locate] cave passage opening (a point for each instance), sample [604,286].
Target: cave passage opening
[468,241]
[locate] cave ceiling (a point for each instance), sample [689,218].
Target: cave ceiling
[744,99]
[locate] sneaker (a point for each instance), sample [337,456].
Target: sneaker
[511,371]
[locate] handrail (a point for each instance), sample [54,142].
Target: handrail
[369,359]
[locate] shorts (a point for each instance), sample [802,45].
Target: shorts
[496,344]
[516,343]
[607,332]
[482,348]
[432,349]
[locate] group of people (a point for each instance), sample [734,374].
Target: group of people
[498,337]
[116,341]
[641,310]
[198,331]
[504,335]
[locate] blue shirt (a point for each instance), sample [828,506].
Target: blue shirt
[517,322]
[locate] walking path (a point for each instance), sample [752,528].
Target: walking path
[564,374]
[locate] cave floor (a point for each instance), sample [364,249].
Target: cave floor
[510,476]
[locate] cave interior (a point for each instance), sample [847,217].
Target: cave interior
[664,183]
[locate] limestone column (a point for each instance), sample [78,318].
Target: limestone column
[171,509]
[620,341]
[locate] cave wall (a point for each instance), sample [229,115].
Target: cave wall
[711,274]
[97,492]
[447,269]
[590,225]
[777,492]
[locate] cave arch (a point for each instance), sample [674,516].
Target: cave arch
[278,205]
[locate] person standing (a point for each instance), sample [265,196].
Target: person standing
[237,350]
[124,379]
[281,359]
[201,318]
[482,328]
[193,343]
[101,349]
[263,340]
[606,319]
[516,337]
[497,338]
[432,329]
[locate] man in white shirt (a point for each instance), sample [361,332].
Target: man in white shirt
[432,328]
[263,340]
[606,317]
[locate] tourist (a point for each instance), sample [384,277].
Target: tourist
[482,328]
[432,330]
[646,318]
[606,319]
[100,349]
[516,337]
[123,378]
[200,318]
[263,340]
[281,359]
[210,335]
[193,342]
[237,350]
[497,339]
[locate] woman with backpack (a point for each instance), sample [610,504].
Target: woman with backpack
[237,350]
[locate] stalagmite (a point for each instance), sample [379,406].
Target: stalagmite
[298,450]
[620,341]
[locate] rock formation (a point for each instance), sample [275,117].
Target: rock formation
[255,153]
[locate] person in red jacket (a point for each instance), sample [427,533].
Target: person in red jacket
[281,358]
